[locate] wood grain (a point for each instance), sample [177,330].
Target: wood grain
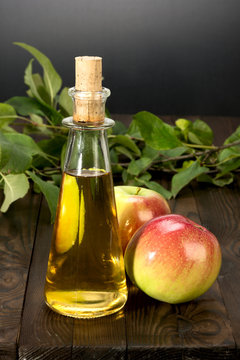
[101,338]
[206,328]
[194,330]
[207,321]
[43,334]
[220,212]
[222,127]
[151,328]
[16,240]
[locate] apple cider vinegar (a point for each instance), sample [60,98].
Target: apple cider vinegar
[86,245]
[85,275]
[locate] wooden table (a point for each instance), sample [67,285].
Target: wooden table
[207,328]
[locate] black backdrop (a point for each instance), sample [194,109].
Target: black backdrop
[166,56]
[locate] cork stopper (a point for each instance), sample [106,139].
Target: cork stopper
[89,105]
[88,73]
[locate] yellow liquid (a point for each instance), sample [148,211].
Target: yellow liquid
[85,275]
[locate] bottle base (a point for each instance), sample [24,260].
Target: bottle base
[85,304]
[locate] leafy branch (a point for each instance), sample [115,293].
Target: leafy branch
[33,143]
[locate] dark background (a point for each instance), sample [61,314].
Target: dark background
[177,57]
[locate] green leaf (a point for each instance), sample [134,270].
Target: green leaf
[155,132]
[186,176]
[65,103]
[229,158]
[119,128]
[228,153]
[6,115]
[225,180]
[36,85]
[186,164]
[113,156]
[126,176]
[140,165]
[15,187]
[156,187]
[134,131]
[38,81]
[183,124]
[17,151]
[124,151]
[228,166]
[28,79]
[137,166]
[25,105]
[155,154]
[36,188]
[107,113]
[200,133]
[178,151]
[57,178]
[117,169]
[51,78]
[24,143]
[37,126]
[149,152]
[48,110]
[52,114]
[129,179]
[183,127]
[235,136]
[53,146]
[40,163]
[205,178]
[5,151]
[50,191]
[13,158]
[146,176]
[125,141]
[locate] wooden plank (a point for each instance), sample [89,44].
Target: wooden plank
[16,240]
[101,338]
[196,330]
[151,325]
[226,202]
[124,118]
[151,328]
[222,127]
[203,323]
[44,334]
[220,212]
[202,328]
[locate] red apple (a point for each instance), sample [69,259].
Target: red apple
[173,259]
[135,206]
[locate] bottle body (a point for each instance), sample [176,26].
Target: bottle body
[85,275]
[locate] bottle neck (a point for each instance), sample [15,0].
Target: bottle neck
[89,106]
[87,147]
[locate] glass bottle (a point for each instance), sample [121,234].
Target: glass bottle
[85,275]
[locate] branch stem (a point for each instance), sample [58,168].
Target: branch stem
[199,153]
[34,123]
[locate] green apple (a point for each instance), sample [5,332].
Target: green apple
[173,259]
[135,206]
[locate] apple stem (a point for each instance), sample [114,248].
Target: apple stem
[138,191]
